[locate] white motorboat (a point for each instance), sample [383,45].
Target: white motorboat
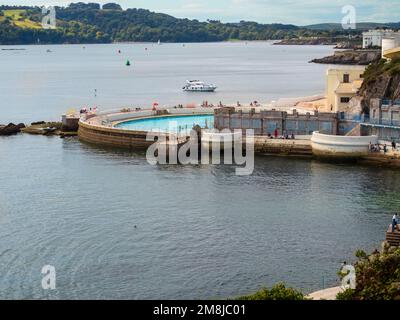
[198,86]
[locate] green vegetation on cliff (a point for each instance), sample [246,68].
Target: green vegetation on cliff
[277,292]
[381,80]
[89,23]
[377,276]
[382,67]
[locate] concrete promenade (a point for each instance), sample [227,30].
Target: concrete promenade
[325,294]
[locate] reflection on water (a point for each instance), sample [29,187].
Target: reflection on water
[201,231]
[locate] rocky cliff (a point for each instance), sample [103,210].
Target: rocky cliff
[381,80]
[351,57]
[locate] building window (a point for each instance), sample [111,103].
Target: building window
[361,76]
[346,78]
[344,100]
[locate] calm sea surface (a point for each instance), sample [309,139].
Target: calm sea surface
[36,84]
[115,227]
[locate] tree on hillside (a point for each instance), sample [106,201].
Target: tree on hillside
[82,5]
[111,6]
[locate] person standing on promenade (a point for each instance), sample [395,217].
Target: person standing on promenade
[394,222]
[393,145]
[276,132]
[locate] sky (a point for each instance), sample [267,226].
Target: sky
[298,12]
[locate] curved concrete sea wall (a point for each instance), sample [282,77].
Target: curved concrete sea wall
[112,137]
[331,146]
[99,129]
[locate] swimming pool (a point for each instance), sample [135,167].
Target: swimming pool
[173,124]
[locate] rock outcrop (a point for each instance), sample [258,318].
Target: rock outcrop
[311,41]
[10,129]
[43,128]
[351,57]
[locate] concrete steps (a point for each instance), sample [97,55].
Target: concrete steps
[393,238]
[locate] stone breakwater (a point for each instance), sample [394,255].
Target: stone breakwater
[37,128]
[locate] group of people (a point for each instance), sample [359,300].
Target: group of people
[254,104]
[238,104]
[378,147]
[276,135]
[205,104]
[85,110]
[375,147]
[130,109]
[285,136]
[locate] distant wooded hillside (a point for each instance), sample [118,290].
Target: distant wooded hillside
[91,23]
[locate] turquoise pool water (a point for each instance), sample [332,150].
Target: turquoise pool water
[174,124]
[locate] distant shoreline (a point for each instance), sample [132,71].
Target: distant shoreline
[273,42]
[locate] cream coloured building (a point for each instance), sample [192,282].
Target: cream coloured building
[342,84]
[373,38]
